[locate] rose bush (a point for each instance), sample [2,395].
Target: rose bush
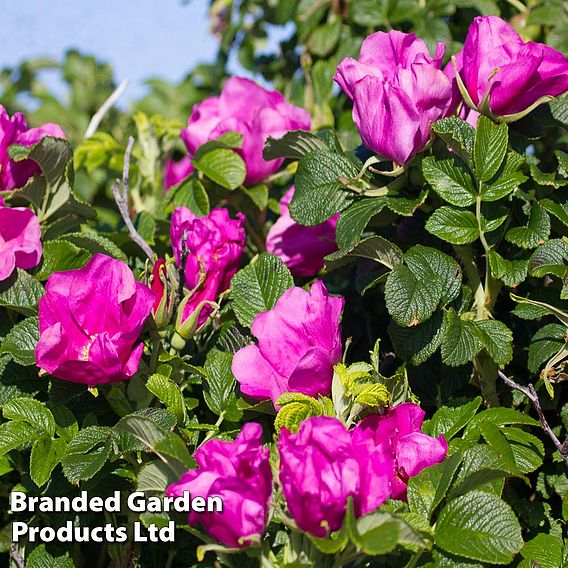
[366,362]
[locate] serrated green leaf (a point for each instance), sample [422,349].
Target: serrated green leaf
[545,551]
[528,450]
[559,210]
[191,194]
[546,179]
[374,248]
[324,38]
[545,343]
[95,243]
[461,342]
[45,455]
[21,341]
[169,393]
[453,225]
[257,287]
[14,434]
[22,295]
[155,476]
[355,218]
[59,256]
[501,416]
[488,529]
[490,147]
[502,186]
[450,180]
[550,258]
[294,145]
[219,391]
[409,300]
[497,340]
[223,166]
[449,421]
[319,194]
[512,272]
[31,411]
[39,557]
[457,134]
[535,233]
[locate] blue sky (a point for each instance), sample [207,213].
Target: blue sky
[140,38]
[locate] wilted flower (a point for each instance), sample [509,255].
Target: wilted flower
[249,109]
[176,172]
[502,74]
[398,90]
[239,473]
[398,442]
[318,473]
[299,341]
[301,248]
[89,321]
[15,131]
[20,239]
[215,244]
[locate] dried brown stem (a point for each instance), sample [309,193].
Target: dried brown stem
[121,199]
[530,392]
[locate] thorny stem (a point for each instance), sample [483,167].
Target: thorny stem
[530,392]
[15,555]
[122,202]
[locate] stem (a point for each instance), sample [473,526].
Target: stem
[212,433]
[105,107]
[465,254]
[530,393]
[122,202]
[15,556]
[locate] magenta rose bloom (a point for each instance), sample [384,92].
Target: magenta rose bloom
[215,243]
[299,341]
[317,473]
[397,441]
[15,131]
[239,473]
[89,321]
[398,90]
[301,248]
[495,62]
[20,239]
[176,172]
[256,113]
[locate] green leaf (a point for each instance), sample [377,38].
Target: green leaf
[449,421]
[95,243]
[21,341]
[319,194]
[545,550]
[502,186]
[511,272]
[457,134]
[353,220]
[46,454]
[490,147]
[497,339]
[223,166]
[191,194]
[559,210]
[450,180]
[324,38]
[22,295]
[39,557]
[546,179]
[257,287]
[374,248]
[258,195]
[417,344]
[550,258]
[294,145]
[294,409]
[169,393]
[219,391]
[59,256]
[535,233]
[528,450]
[410,301]
[32,411]
[14,434]
[545,343]
[487,527]
[461,342]
[155,476]
[501,417]
[453,225]
[430,264]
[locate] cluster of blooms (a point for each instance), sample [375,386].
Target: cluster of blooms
[320,467]
[20,235]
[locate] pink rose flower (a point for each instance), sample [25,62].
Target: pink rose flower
[397,437]
[215,243]
[20,240]
[89,321]
[301,248]
[239,473]
[398,90]
[254,112]
[15,131]
[299,341]
[495,62]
